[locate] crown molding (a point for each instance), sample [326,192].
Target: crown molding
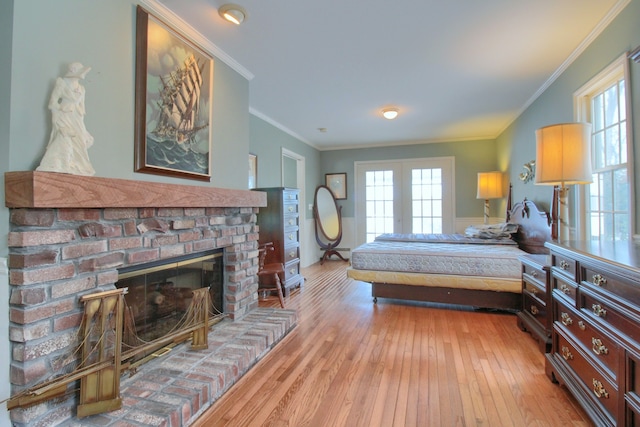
[168,16]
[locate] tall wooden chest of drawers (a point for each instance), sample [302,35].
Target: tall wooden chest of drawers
[279,223]
[596,328]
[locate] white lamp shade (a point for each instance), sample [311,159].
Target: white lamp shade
[490,185]
[563,154]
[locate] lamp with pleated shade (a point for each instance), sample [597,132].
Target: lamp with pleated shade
[563,157]
[489,187]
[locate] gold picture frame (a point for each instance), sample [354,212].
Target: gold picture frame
[173,97]
[337,183]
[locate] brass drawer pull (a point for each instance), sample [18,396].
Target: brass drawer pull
[534,291]
[597,347]
[581,325]
[565,289]
[292,254]
[566,319]
[291,208]
[599,280]
[534,310]
[292,236]
[599,389]
[564,264]
[292,271]
[598,310]
[534,273]
[292,222]
[566,354]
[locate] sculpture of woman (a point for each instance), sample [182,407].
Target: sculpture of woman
[69,140]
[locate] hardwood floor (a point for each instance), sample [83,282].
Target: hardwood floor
[350,362]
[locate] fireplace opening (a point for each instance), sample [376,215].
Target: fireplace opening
[159,295]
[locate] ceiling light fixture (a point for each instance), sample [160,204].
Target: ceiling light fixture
[390,113]
[233,13]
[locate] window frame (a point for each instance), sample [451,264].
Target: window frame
[619,68]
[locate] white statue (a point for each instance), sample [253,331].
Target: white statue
[69,140]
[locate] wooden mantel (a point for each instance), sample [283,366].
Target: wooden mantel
[58,190]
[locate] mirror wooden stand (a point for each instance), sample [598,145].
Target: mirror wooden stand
[328,222]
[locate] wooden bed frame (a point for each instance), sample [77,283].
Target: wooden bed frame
[536,227]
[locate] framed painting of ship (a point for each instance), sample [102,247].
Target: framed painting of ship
[173,89]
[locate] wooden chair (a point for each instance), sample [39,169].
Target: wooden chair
[270,276]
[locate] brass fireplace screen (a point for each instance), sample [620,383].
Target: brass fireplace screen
[125,327]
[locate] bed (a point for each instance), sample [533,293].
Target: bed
[454,269]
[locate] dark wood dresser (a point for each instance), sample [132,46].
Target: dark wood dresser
[535,316]
[279,223]
[596,328]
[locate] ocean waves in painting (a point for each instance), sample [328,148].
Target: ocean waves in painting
[171,155]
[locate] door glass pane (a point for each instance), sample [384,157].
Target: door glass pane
[379,203]
[426,193]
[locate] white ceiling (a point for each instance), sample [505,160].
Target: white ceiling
[456,69]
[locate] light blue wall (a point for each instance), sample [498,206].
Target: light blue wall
[517,144]
[267,142]
[6,37]
[471,157]
[101,34]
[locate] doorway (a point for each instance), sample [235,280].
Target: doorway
[404,196]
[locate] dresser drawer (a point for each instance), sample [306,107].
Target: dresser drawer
[534,274]
[597,386]
[290,222]
[534,288]
[290,195]
[290,237]
[567,289]
[536,308]
[564,265]
[609,313]
[291,270]
[594,278]
[291,253]
[595,342]
[633,384]
[290,208]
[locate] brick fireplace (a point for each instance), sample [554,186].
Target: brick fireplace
[69,235]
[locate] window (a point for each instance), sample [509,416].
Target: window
[404,196]
[605,205]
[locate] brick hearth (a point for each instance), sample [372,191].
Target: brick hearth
[174,390]
[69,235]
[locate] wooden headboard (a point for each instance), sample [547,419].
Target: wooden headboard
[535,226]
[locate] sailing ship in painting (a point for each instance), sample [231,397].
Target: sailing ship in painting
[174,141]
[180,103]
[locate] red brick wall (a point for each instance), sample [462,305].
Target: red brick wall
[57,255]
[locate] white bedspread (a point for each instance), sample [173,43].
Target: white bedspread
[439,258]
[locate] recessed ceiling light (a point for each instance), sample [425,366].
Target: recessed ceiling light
[390,113]
[233,13]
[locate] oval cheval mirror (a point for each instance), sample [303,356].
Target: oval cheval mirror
[328,220]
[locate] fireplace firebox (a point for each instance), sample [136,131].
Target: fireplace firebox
[159,293]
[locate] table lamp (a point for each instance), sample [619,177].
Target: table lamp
[489,187]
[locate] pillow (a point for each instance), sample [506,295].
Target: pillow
[491,231]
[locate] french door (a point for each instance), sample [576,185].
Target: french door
[404,196]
